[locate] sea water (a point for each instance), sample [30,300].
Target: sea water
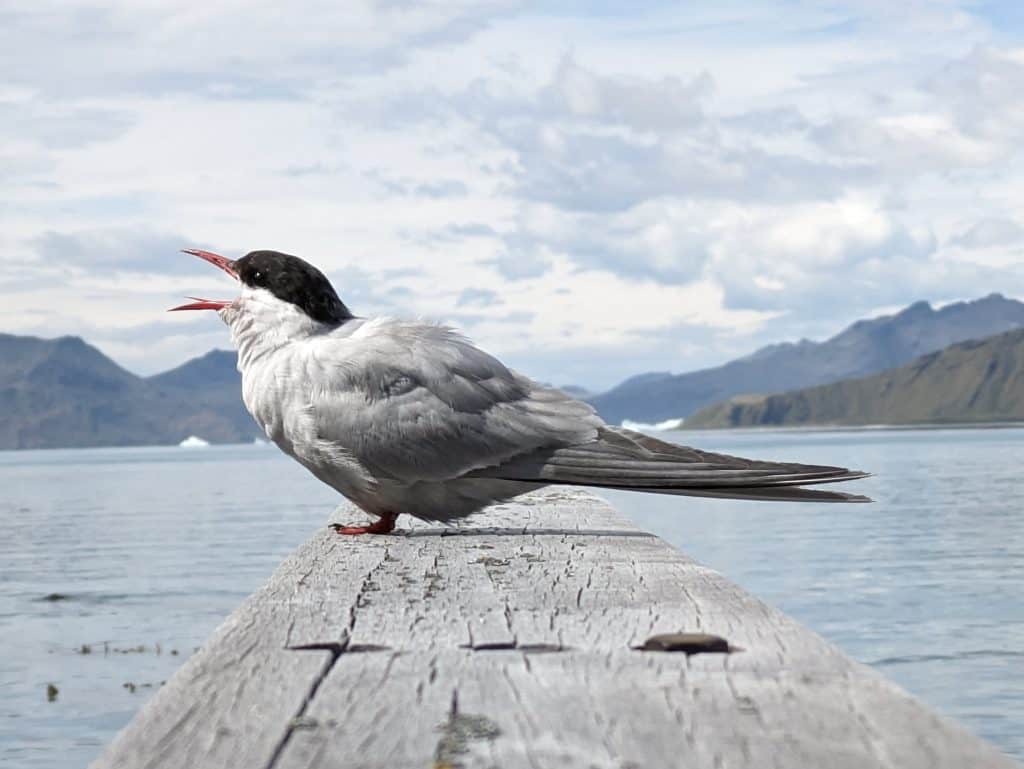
[116,564]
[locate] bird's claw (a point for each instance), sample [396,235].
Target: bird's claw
[383,525]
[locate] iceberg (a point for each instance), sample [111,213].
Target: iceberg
[641,427]
[194,442]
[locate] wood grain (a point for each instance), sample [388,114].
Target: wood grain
[512,641]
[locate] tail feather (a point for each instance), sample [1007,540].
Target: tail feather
[624,459]
[765,494]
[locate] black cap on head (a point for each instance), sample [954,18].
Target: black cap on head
[291,279]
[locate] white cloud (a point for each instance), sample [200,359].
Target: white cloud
[667,105]
[906,143]
[990,232]
[811,258]
[588,193]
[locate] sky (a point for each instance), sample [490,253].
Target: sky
[588,190]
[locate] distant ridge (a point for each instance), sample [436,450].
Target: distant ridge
[218,368]
[865,347]
[64,393]
[975,381]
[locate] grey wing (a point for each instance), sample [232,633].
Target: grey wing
[624,459]
[416,402]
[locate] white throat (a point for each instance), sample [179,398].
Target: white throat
[261,323]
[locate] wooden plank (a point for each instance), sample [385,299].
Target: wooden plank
[510,641]
[512,709]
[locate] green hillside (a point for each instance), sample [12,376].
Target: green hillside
[976,381]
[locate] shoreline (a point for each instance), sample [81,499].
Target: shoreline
[917,426]
[922,427]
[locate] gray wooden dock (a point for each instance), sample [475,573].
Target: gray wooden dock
[516,641]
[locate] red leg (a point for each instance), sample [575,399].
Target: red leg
[383,525]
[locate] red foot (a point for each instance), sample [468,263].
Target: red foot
[383,525]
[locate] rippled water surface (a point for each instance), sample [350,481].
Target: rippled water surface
[147,550]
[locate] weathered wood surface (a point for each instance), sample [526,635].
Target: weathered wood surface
[509,642]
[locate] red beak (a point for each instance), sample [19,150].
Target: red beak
[216,260]
[202,304]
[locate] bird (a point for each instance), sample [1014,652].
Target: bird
[406,416]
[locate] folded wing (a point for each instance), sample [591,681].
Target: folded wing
[417,402]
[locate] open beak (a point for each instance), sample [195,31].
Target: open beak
[202,304]
[216,260]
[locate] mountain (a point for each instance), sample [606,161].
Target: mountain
[576,391]
[975,381]
[66,393]
[216,369]
[866,347]
[210,388]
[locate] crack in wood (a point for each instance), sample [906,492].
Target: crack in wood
[459,734]
[298,720]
